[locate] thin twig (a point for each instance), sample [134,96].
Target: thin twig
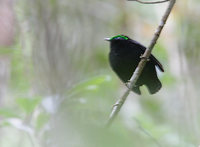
[117,106]
[152,2]
[147,133]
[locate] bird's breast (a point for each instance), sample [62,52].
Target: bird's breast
[123,65]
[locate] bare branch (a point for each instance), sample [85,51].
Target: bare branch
[152,2]
[138,71]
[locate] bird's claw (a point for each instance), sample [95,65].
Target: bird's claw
[127,83]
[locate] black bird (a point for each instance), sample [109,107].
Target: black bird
[124,56]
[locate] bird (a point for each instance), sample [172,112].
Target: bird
[124,57]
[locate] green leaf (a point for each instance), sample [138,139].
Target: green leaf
[28,104]
[42,119]
[8,113]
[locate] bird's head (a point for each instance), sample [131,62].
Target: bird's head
[118,41]
[117,38]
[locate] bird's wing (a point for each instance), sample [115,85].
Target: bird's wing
[157,63]
[152,58]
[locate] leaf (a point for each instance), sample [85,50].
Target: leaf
[42,119]
[28,104]
[8,113]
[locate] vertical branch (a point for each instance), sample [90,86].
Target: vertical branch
[117,106]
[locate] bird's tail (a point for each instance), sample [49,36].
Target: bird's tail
[154,86]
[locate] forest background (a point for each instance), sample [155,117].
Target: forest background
[57,88]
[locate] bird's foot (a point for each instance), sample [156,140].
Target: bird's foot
[145,58]
[128,83]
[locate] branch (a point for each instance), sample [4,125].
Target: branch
[153,2]
[117,106]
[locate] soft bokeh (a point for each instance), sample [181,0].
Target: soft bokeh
[57,88]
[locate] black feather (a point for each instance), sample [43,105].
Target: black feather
[124,57]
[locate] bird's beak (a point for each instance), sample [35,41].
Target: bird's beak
[107,39]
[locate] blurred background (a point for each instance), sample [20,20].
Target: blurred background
[57,88]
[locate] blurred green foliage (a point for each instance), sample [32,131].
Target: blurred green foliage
[61,88]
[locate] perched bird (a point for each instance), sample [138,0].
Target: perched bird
[124,56]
